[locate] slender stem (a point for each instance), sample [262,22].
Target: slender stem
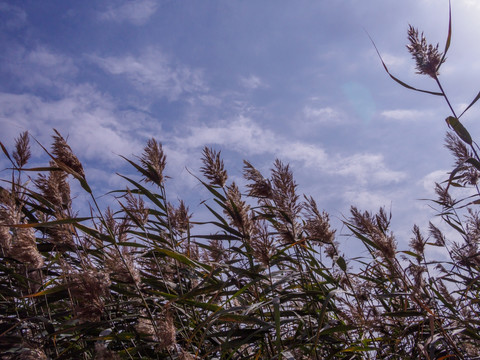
[445,96]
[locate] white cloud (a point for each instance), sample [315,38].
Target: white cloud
[406,114]
[367,200]
[137,12]
[472,3]
[153,71]
[88,118]
[428,181]
[39,66]
[249,138]
[394,61]
[323,115]
[310,155]
[366,168]
[252,82]
[240,134]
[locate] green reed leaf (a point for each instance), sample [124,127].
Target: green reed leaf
[342,263]
[459,129]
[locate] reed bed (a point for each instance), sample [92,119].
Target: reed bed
[145,280]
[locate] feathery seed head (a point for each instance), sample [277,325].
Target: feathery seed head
[417,243]
[238,210]
[416,271]
[8,215]
[24,248]
[216,252]
[179,217]
[331,250]
[5,237]
[376,227]
[88,288]
[61,234]
[317,225]
[22,151]
[154,161]
[55,188]
[443,196]
[437,235]
[259,186]
[427,56]
[213,168]
[263,243]
[163,332]
[136,207]
[65,155]
[473,226]
[123,272]
[284,190]
[445,293]
[116,228]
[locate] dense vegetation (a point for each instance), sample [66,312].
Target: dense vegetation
[268,283]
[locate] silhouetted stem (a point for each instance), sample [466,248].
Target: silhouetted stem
[445,96]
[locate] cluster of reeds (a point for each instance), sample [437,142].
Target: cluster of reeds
[144,281]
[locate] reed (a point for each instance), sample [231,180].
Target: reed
[147,281]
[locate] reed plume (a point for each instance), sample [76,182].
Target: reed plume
[213,168]
[427,57]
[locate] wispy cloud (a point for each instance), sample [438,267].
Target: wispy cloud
[12,17]
[366,168]
[137,12]
[248,138]
[406,114]
[395,61]
[367,200]
[323,115]
[435,177]
[90,119]
[153,71]
[252,82]
[38,66]
[240,134]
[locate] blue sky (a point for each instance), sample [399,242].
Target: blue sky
[258,80]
